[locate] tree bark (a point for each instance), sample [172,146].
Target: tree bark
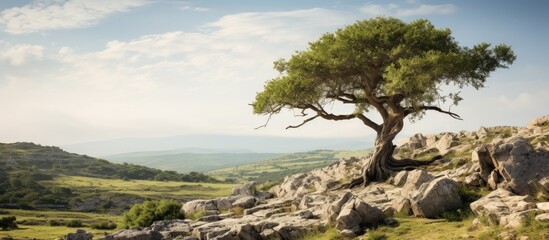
[381,163]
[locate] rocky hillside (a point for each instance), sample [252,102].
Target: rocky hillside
[500,174]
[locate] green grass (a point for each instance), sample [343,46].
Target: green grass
[143,188]
[277,168]
[44,231]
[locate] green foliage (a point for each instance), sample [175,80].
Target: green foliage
[143,215]
[197,215]
[8,223]
[54,223]
[377,61]
[73,223]
[104,225]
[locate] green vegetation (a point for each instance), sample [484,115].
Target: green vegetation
[8,223]
[36,224]
[185,162]
[276,169]
[329,234]
[143,215]
[30,173]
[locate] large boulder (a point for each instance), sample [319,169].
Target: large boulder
[199,206]
[435,197]
[514,164]
[352,213]
[495,207]
[416,178]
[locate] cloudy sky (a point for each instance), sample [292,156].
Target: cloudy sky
[86,70]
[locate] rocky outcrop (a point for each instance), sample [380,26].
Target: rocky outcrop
[502,158]
[513,164]
[502,207]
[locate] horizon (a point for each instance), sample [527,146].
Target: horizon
[77,72]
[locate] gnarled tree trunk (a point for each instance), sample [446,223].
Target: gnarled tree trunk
[381,163]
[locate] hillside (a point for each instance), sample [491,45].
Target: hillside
[35,176]
[276,169]
[490,184]
[189,161]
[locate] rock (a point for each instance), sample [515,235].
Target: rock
[245,202]
[290,232]
[482,132]
[269,234]
[306,214]
[435,197]
[199,206]
[416,178]
[493,180]
[474,179]
[500,203]
[543,206]
[400,178]
[518,164]
[515,219]
[348,219]
[347,233]
[80,234]
[539,122]
[544,217]
[134,234]
[247,189]
[507,235]
[333,209]
[402,205]
[446,142]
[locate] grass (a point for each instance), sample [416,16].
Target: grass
[48,232]
[329,234]
[36,222]
[144,188]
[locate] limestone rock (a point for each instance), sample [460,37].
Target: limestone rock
[435,197]
[544,217]
[400,178]
[197,206]
[539,122]
[518,164]
[500,203]
[245,202]
[416,178]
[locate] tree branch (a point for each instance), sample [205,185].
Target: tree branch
[453,115]
[267,122]
[376,127]
[303,123]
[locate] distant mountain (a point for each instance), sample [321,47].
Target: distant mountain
[217,144]
[176,160]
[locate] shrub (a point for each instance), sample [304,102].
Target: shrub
[144,214]
[54,223]
[104,225]
[74,223]
[7,223]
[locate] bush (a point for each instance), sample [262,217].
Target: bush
[103,225]
[7,223]
[143,215]
[74,223]
[54,223]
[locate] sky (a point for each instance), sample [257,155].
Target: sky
[75,71]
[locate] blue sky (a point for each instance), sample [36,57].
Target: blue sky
[87,70]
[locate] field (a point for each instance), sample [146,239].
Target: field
[146,189]
[44,231]
[277,168]
[35,224]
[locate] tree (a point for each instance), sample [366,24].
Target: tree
[395,68]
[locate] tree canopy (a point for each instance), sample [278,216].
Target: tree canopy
[376,63]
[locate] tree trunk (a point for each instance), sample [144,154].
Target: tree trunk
[381,163]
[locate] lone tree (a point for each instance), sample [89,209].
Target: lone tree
[381,64]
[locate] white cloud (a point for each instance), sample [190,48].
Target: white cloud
[196,9]
[19,54]
[170,83]
[400,11]
[65,14]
